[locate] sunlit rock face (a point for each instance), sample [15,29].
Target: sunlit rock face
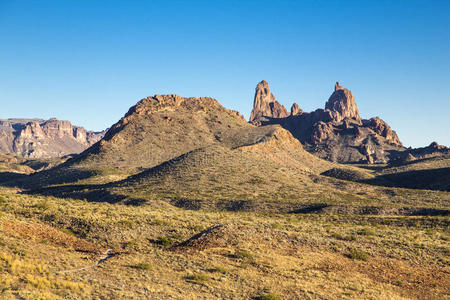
[342,104]
[265,104]
[336,133]
[35,138]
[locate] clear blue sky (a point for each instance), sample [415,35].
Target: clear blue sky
[89,61]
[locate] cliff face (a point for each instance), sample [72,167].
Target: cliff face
[35,138]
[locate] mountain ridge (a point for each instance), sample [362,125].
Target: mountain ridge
[337,132]
[38,138]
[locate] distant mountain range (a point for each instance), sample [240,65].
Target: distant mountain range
[336,133]
[193,152]
[36,138]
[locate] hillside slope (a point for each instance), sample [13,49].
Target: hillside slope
[161,128]
[264,171]
[192,149]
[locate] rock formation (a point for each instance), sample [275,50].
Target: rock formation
[337,133]
[342,104]
[265,105]
[383,129]
[431,150]
[174,134]
[295,110]
[36,138]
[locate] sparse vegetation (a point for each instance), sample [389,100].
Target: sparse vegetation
[197,278]
[342,237]
[183,198]
[143,266]
[244,255]
[366,231]
[270,296]
[35,248]
[358,254]
[220,269]
[291,235]
[165,241]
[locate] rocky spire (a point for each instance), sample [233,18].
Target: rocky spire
[265,105]
[295,110]
[342,104]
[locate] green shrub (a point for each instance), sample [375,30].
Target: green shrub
[342,237]
[132,244]
[358,254]
[220,269]
[244,255]
[165,241]
[128,223]
[275,225]
[197,278]
[196,227]
[143,266]
[366,231]
[43,205]
[270,296]
[256,180]
[68,231]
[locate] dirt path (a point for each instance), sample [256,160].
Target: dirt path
[105,256]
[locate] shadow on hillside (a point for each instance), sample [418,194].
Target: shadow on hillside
[43,183]
[308,209]
[370,210]
[44,178]
[394,163]
[434,179]
[91,193]
[295,207]
[10,176]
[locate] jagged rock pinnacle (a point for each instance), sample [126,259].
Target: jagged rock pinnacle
[295,110]
[342,104]
[265,105]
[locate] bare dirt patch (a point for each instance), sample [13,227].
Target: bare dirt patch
[47,234]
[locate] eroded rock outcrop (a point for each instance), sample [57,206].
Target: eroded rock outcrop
[338,133]
[383,129]
[342,104]
[295,110]
[434,149]
[35,138]
[321,132]
[265,104]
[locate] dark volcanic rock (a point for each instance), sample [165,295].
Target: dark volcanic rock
[265,105]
